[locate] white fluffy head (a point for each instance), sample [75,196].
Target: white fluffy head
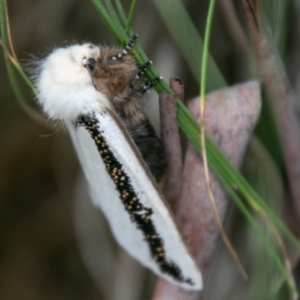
[64,84]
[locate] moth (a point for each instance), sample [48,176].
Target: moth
[97,93]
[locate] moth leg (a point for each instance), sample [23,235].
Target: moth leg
[140,73]
[126,48]
[149,84]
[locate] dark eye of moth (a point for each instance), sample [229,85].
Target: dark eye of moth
[91,64]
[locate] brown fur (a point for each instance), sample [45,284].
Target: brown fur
[112,78]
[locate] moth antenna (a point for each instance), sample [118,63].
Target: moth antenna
[141,72]
[150,83]
[126,48]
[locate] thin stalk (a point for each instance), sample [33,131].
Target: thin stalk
[130,16]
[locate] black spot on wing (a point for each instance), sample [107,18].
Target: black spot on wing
[139,214]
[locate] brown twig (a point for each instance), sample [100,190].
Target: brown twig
[234,27]
[171,139]
[281,98]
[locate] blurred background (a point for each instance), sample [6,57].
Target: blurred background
[53,244]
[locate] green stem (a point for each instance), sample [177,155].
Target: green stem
[130,16]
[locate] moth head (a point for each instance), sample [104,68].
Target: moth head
[64,82]
[87,55]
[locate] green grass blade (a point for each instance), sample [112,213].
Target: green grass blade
[114,18]
[11,68]
[229,176]
[114,28]
[130,15]
[205,52]
[121,11]
[234,182]
[225,171]
[188,40]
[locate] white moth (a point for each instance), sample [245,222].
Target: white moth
[90,90]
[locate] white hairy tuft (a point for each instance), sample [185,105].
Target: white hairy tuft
[64,84]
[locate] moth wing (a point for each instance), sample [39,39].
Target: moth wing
[106,196]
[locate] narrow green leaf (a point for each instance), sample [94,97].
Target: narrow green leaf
[130,15]
[114,28]
[188,40]
[121,11]
[227,174]
[9,66]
